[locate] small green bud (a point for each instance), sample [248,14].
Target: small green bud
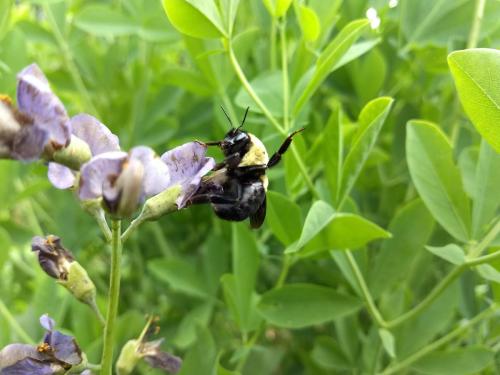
[79,284]
[73,156]
[129,357]
[161,204]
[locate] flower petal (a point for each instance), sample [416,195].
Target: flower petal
[187,165]
[30,366]
[97,135]
[47,322]
[97,172]
[36,99]
[65,348]
[164,361]
[14,353]
[60,176]
[29,143]
[156,173]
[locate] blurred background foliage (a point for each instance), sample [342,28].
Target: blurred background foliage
[124,62]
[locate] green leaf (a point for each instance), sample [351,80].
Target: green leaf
[180,275]
[488,272]
[328,354]
[268,86]
[371,120]
[187,330]
[189,20]
[5,245]
[283,217]
[309,23]
[486,198]
[102,20]
[302,305]
[451,253]
[474,72]
[202,356]
[356,50]
[187,79]
[277,8]
[387,341]
[333,152]
[411,227]
[464,361]
[330,56]
[319,215]
[437,179]
[245,269]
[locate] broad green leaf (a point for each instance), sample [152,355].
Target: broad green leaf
[371,119]
[283,217]
[423,328]
[309,23]
[486,198]
[333,148]
[187,329]
[437,179]
[475,72]
[330,56]
[209,8]
[187,79]
[277,8]
[189,20]
[319,215]
[302,305]
[346,231]
[245,269]
[387,341]
[488,272]
[411,227]
[328,354]
[451,253]
[268,86]
[103,20]
[180,275]
[228,10]
[467,163]
[461,361]
[201,358]
[368,74]
[356,50]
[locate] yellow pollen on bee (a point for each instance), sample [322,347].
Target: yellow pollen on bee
[43,348]
[6,99]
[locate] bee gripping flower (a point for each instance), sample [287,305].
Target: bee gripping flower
[60,264]
[56,354]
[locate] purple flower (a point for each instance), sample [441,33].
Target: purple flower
[96,135]
[125,180]
[54,259]
[55,355]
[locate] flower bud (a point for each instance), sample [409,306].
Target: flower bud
[129,357]
[161,204]
[73,156]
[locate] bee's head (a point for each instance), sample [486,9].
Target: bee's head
[235,140]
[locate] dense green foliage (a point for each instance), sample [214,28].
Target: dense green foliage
[374,254]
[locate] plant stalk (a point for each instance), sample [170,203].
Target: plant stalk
[113,299]
[476,24]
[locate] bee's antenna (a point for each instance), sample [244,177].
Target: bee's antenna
[244,118]
[227,116]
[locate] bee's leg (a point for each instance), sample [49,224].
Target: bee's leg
[275,159]
[250,170]
[213,143]
[230,162]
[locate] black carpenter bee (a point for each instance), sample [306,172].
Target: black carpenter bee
[237,187]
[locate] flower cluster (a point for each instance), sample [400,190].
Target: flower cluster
[83,154]
[56,354]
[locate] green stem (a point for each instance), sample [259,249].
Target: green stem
[486,241]
[113,299]
[250,91]
[284,71]
[303,171]
[100,217]
[443,340]
[70,63]
[370,304]
[287,263]
[476,24]
[429,298]
[23,335]
[131,228]
[484,259]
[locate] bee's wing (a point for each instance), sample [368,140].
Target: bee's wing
[258,217]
